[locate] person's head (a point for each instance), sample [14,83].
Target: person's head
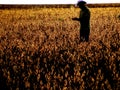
[81,3]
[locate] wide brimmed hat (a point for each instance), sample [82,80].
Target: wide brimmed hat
[81,2]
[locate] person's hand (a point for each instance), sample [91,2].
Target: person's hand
[74,18]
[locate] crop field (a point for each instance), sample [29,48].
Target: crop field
[40,50]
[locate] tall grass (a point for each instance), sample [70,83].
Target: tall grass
[40,49]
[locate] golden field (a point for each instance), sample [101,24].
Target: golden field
[40,49]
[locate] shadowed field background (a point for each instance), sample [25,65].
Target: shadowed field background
[40,49]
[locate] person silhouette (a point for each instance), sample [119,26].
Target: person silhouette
[84,20]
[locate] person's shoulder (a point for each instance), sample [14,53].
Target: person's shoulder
[87,9]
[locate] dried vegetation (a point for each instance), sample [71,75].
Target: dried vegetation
[40,49]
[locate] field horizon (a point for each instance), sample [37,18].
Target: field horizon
[27,6]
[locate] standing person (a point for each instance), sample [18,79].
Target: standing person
[84,20]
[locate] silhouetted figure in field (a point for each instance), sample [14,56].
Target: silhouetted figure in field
[84,20]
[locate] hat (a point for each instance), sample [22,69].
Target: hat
[81,2]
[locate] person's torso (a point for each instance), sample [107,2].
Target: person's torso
[85,18]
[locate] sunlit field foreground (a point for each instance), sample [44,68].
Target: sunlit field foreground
[40,49]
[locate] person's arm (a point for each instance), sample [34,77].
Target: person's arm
[76,19]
